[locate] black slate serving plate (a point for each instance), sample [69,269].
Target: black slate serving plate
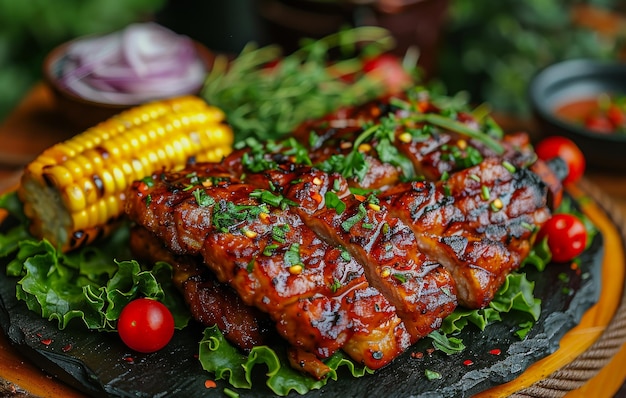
[99,364]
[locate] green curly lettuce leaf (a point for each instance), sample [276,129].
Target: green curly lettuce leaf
[516,294]
[90,283]
[228,363]
[539,255]
[60,288]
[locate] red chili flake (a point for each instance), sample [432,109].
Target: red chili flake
[417,355]
[418,186]
[210,384]
[468,362]
[495,351]
[316,197]
[129,359]
[360,198]
[39,335]
[46,341]
[67,348]
[430,351]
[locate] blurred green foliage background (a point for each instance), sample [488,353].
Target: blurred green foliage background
[491,48]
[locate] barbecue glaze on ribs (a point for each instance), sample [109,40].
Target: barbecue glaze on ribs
[438,220]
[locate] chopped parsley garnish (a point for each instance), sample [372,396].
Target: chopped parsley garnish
[402,278]
[269,249]
[149,181]
[292,255]
[227,214]
[279,232]
[351,222]
[463,158]
[385,148]
[202,198]
[333,202]
[272,199]
[257,162]
[432,375]
[336,285]
[345,255]
[299,152]
[447,344]
[352,165]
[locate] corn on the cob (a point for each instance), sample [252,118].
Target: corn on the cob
[74,191]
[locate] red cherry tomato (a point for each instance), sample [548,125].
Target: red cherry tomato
[388,67]
[145,325]
[600,124]
[616,115]
[567,237]
[567,150]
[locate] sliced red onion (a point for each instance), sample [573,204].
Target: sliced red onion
[143,62]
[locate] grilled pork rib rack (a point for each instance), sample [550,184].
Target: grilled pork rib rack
[363,239]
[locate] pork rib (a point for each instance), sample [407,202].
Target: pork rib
[210,302]
[421,290]
[365,238]
[317,296]
[480,223]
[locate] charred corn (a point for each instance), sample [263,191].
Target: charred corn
[74,191]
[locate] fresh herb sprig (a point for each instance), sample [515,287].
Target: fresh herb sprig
[266,95]
[382,134]
[451,124]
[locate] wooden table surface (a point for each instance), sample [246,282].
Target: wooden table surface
[35,125]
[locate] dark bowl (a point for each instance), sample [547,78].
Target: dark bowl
[580,79]
[83,113]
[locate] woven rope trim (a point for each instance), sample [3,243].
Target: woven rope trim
[575,374]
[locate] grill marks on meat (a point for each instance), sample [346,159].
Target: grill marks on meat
[325,304]
[432,151]
[422,292]
[210,302]
[479,223]
[317,308]
[366,274]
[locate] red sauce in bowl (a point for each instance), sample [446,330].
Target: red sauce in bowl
[601,114]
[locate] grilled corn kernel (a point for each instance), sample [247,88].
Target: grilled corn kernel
[374,206]
[405,137]
[295,269]
[365,147]
[250,234]
[497,204]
